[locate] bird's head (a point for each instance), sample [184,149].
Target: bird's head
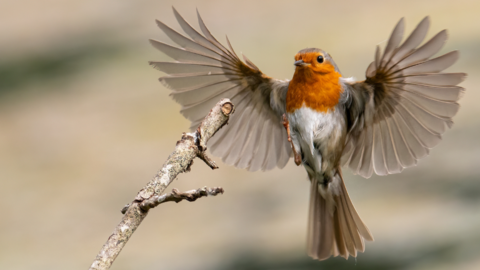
[314,61]
[316,82]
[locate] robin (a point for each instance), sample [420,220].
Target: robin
[382,124]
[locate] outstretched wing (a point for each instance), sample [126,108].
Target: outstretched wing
[403,106]
[204,72]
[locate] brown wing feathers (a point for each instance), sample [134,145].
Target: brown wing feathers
[206,71]
[406,102]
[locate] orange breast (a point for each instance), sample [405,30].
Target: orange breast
[318,91]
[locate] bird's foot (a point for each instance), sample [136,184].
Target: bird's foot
[286,124]
[297,157]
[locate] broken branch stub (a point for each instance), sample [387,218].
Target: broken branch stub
[208,126]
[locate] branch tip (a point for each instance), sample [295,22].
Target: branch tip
[203,156]
[227,108]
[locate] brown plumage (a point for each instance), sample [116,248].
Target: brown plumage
[382,124]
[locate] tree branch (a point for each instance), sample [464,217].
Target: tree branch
[191,145]
[177,196]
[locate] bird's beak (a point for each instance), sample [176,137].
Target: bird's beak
[300,63]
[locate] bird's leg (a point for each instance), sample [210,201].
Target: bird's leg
[297,157]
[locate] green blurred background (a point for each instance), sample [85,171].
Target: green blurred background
[84,124]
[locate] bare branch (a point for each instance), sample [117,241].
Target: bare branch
[177,196]
[191,145]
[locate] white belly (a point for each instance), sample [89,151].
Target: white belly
[320,136]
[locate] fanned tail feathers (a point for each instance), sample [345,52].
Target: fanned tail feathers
[334,227]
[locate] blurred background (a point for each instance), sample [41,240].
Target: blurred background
[84,124]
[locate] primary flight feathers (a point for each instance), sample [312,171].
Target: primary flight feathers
[205,72]
[410,104]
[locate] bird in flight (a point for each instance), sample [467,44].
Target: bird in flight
[382,124]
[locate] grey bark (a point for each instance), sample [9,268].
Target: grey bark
[190,146]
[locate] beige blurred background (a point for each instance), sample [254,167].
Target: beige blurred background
[84,124]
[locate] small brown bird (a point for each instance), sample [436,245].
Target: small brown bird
[382,124]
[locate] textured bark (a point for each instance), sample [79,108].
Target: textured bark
[190,146]
[177,196]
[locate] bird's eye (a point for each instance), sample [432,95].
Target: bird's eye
[320,59]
